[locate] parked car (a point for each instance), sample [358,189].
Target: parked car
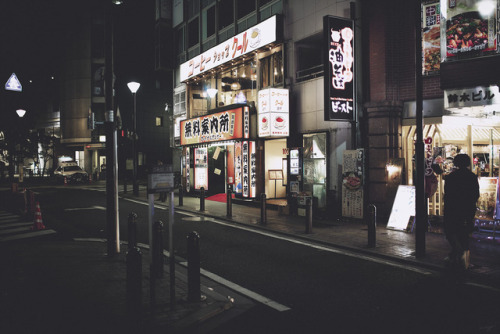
[72,172]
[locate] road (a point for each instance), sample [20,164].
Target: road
[307,288]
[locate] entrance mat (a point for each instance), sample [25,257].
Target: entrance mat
[218,197]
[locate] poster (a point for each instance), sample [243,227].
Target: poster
[403,208]
[200,168]
[352,183]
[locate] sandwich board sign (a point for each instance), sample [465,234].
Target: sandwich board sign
[13,84]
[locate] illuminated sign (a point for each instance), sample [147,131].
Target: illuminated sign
[243,43]
[339,68]
[201,168]
[431,38]
[273,109]
[13,84]
[403,209]
[249,169]
[470,97]
[225,125]
[469,29]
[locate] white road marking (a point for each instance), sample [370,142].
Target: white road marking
[28,235]
[6,226]
[94,207]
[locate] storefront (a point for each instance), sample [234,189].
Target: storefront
[464,126]
[227,140]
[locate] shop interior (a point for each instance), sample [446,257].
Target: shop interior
[447,136]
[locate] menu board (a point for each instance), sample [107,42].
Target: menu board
[200,168]
[403,208]
[487,198]
[352,181]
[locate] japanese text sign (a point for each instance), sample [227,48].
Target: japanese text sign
[243,43]
[225,125]
[339,68]
[471,97]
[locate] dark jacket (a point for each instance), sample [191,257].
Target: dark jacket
[461,192]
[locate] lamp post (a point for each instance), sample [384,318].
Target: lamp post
[134,86]
[20,163]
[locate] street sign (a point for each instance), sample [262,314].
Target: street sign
[161,178]
[13,84]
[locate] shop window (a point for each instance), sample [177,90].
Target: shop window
[193,32]
[245,7]
[208,22]
[238,85]
[308,57]
[271,69]
[226,13]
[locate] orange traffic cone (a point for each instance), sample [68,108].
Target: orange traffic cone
[38,223]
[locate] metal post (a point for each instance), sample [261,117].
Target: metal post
[202,199]
[181,196]
[135,186]
[157,263]
[372,226]
[132,230]
[171,249]
[309,215]
[193,258]
[229,205]
[134,279]
[263,213]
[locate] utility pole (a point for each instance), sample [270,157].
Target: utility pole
[420,200]
[112,217]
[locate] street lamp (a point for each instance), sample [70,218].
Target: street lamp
[21,112]
[134,86]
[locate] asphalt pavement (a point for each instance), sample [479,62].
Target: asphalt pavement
[49,284]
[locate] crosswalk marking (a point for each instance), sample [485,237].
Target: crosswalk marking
[13,227]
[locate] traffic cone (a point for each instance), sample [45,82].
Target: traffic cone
[65,181]
[38,223]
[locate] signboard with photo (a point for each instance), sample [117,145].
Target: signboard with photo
[431,37]
[403,209]
[468,29]
[352,181]
[273,108]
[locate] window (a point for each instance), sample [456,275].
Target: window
[245,7]
[193,32]
[159,121]
[309,62]
[193,9]
[179,41]
[208,23]
[226,13]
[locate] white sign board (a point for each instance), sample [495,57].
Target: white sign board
[402,209]
[161,182]
[273,109]
[239,45]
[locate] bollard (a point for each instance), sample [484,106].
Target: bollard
[202,199]
[309,215]
[193,270]
[181,196]
[134,280]
[157,265]
[229,208]
[372,226]
[132,230]
[263,214]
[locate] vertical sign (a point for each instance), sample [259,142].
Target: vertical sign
[237,168]
[245,168]
[431,38]
[338,68]
[253,169]
[188,168]
[273,109]
[201,168]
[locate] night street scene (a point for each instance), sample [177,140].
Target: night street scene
[249,166]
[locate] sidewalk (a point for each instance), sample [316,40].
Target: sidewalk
[353,235]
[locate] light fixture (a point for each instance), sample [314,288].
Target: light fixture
[133,86]
[20,112]
[212,92]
